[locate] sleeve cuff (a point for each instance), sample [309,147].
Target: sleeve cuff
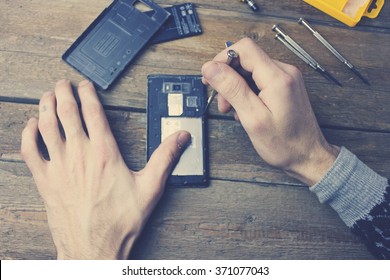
[350,187]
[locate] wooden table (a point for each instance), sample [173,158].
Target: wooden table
[250,210]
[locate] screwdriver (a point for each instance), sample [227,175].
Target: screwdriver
[280,38]
[231,54]
[295,48]
[333,50]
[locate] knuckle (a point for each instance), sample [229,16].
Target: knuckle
[295,72]
[289,80]
[254,126]
[47,98]
[46,124]
[171,152]
[25,152]
[257,123]
[105,155]
[26,132]
[93,109]
[248,42]
[25,149]
[28,138]
[172,156]
[234,88]
[67,109]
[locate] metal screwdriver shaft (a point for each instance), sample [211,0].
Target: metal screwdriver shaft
[303,54]
[332,50]
[280,38]
[231,54]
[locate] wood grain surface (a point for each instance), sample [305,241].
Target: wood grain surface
[250,210]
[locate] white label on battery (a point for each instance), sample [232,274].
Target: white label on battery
[191,161]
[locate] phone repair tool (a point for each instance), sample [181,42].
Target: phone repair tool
[333,50]
[297,53]
[307,56]
[280,38]
[231,54]
[251,4]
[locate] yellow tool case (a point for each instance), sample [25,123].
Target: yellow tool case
[349,11]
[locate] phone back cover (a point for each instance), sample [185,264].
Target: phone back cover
[113,40]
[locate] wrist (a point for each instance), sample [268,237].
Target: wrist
[122,253]
[117,247]
[316,165]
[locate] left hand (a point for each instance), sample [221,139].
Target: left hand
[96,206]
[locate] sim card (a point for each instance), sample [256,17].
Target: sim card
[177,103]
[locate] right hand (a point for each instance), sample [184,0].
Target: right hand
[279,121]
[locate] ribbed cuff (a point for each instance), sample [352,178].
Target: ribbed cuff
[350,187]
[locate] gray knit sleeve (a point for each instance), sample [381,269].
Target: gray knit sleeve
[351,188]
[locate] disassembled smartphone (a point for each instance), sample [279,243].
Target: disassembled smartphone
[177,103]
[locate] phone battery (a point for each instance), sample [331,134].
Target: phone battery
[177,103]
[183,22]
[114,39]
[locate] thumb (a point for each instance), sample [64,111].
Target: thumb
[167,155]
[226,81]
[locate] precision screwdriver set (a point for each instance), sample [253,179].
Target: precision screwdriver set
[294,47]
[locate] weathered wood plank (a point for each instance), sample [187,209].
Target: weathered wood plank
[232,220]
[232,156]
[353,107]
[30,43]
[23,224]
[228,220]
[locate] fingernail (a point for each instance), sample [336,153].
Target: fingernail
[84,83]
[184,140]
[211,70]
[60,82]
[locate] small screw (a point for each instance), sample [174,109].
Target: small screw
[232,54]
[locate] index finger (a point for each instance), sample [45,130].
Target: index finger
[254,60]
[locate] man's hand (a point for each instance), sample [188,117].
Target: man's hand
[96,206]
[279,121]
